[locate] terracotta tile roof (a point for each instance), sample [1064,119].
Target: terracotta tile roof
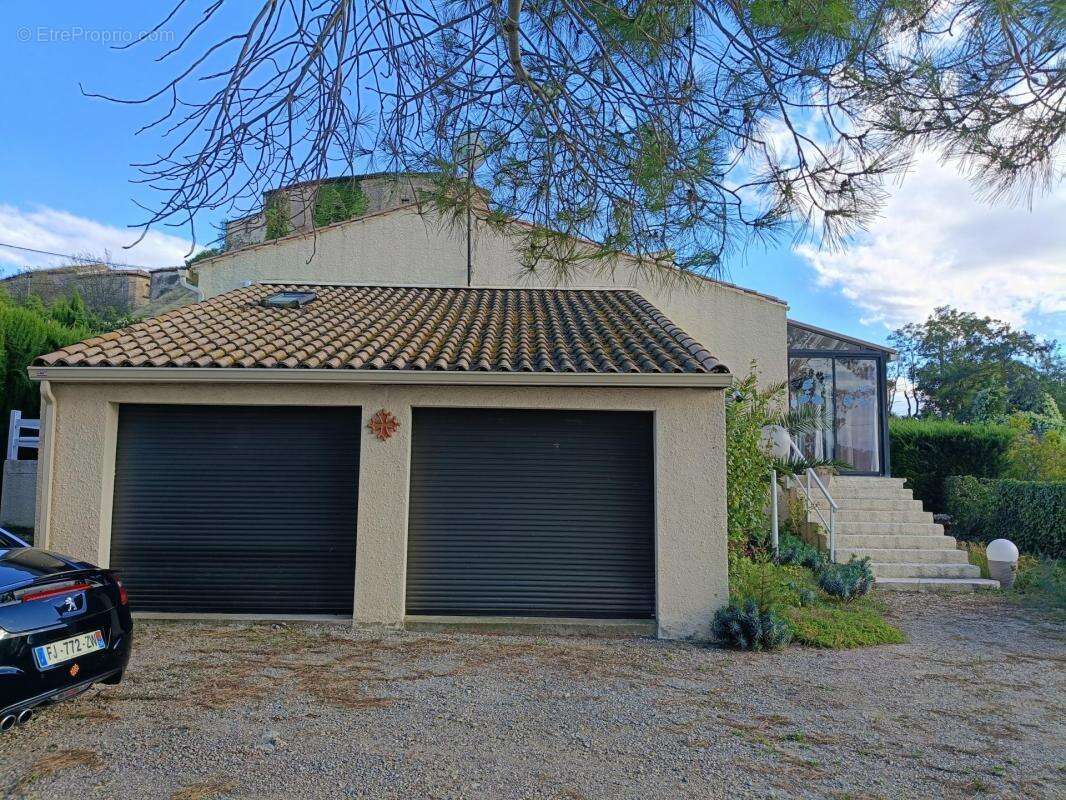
[382,328]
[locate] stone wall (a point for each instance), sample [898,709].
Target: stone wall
[18,503]
[103,289]
[163,281]
[297,202]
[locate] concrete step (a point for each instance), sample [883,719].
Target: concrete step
[905,570]
[848,515]
[881,555]
[864,480]
[871,504]
[935,584]
[867,493]
[891,542]
[895,528]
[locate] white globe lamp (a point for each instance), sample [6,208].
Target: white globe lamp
[1002,561]
[777,441]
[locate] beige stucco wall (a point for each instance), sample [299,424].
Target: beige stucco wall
[398,247]
[691,565]
[405,248]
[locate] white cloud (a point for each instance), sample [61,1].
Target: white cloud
[43,228]
[936,243]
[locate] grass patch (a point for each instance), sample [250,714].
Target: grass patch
[816,618]
[92,713]
[1041,583]
[977,555]
[771,585]
[839,626]
[57,762]
[205,789]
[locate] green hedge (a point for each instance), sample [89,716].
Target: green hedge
[927,451]
[1031,514]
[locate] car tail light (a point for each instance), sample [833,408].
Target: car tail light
[123,595]
[45,593]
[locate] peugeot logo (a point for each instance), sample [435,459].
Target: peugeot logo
[69,605]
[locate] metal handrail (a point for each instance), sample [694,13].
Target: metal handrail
[830,525]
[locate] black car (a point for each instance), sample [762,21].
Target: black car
[64,625]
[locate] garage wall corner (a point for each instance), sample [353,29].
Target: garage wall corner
[691,537]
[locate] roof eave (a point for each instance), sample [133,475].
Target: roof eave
[672,380]
[884,348]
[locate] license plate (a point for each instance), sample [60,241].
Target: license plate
[48,655]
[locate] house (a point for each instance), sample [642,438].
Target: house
[103,288]
[394,242]
[394,453]
[360,420]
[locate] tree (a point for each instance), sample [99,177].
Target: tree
[207,252]
[901,373]
[974,368]
[29,329]
[671,129]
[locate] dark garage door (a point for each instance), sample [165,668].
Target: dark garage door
[539,513]
[236,509]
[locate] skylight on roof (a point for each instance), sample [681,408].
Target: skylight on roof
[288,299]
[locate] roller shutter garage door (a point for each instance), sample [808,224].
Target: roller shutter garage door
[534,513]
[236,509]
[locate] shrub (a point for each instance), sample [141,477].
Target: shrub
[207,252]
[1031,514]
[772,586]
[336,201]
[1034,457]
[796,551]
[277,220]
[797,517]
[926,452]
[744,626]
[847,581]
[747,410]
[1045,418]
[842,626]
[1041,583]
[28,331]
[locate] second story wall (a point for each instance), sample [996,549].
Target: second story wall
[394,247]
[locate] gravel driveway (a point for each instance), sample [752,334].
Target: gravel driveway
[972,707]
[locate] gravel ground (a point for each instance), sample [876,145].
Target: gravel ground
[972,707]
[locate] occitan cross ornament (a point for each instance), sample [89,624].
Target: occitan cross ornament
[383,424]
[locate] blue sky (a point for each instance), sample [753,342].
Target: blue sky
[65,185]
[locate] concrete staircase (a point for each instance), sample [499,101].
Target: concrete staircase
[879,518]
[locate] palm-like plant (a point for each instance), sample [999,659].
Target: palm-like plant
[806,419]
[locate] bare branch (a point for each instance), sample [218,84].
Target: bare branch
[677,130]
